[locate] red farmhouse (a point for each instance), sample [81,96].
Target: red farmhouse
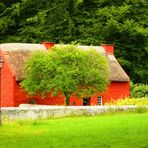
[15,56]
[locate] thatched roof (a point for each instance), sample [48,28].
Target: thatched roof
[18,53]
[98,48]
[116,71]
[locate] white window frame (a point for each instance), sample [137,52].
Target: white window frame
[101,99]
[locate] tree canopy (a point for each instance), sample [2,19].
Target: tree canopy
[66,70]
[90,22]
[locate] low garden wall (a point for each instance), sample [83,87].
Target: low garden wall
[36,112]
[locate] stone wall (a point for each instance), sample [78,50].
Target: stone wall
[36,112]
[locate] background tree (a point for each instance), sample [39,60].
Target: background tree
[67,71]
[90,22]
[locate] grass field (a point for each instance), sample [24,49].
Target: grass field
[104,131]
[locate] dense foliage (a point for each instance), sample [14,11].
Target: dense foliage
[139,90]
[66,70]
[122,23]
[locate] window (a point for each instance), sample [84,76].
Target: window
[32,101]
[86,101]
[100,100]
[73,103]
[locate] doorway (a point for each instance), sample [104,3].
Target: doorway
[86,101]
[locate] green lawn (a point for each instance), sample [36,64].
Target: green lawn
[104,131]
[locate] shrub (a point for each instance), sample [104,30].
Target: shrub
[141,109]
[139,90]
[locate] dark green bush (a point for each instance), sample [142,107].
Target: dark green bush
[139,90]
[141,109]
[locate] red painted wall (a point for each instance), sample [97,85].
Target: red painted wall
[116,90]
[7,77]
[21,97]
[13,95]
[76,101]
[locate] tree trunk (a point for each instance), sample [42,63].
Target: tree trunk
[67,101]
[67,98]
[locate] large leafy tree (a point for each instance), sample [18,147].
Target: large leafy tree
[66,70]
[89,22]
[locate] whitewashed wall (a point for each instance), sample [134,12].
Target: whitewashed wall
[36,112]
